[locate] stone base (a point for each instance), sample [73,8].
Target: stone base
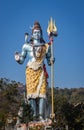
[40,123]
[35,124]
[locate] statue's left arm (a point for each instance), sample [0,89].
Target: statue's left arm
[49,58]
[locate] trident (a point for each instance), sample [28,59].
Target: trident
[52,32]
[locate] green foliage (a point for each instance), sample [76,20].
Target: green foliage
[68,104]
[69,107]
[9,101]
[27,113]
[2,120]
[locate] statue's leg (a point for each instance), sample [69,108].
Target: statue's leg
[33,105]
[42,108]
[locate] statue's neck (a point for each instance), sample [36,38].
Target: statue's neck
[36,42]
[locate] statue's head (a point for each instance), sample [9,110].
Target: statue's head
[37,31]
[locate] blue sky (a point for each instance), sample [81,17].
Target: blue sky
[16,17]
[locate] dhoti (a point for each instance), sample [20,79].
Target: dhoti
[35,83]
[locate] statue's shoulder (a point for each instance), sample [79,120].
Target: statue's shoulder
[26,46]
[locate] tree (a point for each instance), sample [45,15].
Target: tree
[27,113]
[9,101]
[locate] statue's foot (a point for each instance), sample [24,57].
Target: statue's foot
[41,119]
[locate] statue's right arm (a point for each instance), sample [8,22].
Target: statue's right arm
[20,57]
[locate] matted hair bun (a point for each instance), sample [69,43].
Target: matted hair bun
[36,26]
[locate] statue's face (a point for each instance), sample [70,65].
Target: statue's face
[36,34]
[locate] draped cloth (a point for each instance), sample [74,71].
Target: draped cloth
[36,78]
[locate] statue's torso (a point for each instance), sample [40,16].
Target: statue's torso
[34,52]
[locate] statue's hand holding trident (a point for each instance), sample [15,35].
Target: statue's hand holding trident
[52,32]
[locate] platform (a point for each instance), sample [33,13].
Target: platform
[39,125]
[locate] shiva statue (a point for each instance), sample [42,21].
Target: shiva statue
[36,75]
